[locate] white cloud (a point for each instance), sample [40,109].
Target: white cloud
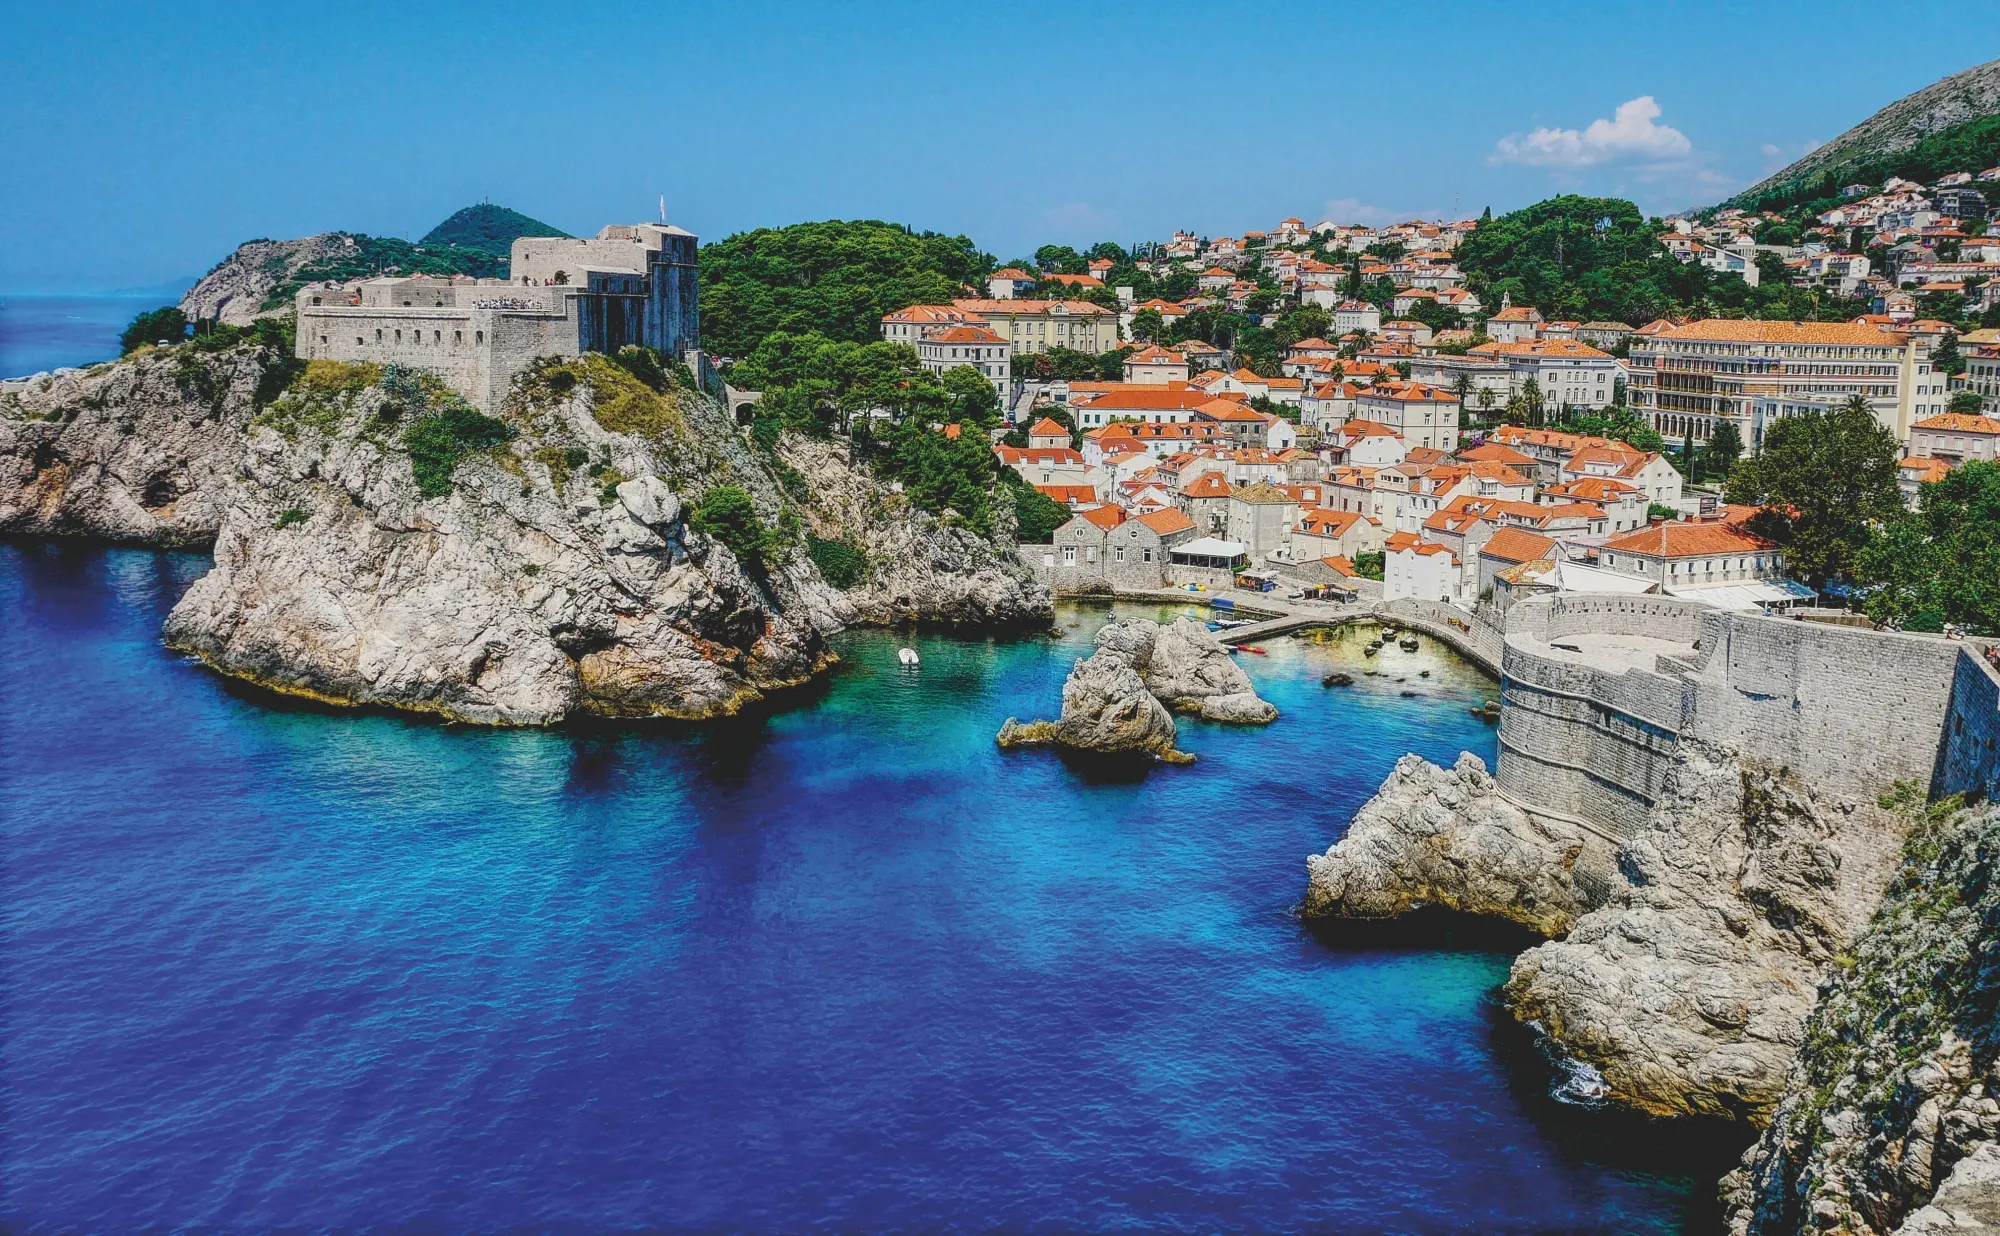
[1353,210]
[1629,134]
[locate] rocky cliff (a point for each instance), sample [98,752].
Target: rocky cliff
[368,551]
[140,452]
[918,568]
[1685,974]
[240,285]
[1890,1122]
[556,576]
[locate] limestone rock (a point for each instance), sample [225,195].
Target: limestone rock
[524,596]
[1190,671]
[1890,1120]
[141,452]
[920,569]
[1444,837]
[1107,708]
[1689,988]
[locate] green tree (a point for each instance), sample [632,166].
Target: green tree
[978,404]
[1824,480]
[1941,562]
[1725,447]
[728,514]
[1690,459]
[1061,259]
[1532,406]
[1945,357]
[1966,403]
[164,325]
[1036,515]
[1148,325]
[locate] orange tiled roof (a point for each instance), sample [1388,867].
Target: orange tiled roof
[1687,539]
[1106,516]
[1518,545]
[1167,522]
[1960,422]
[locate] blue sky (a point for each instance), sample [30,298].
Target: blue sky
[141,143]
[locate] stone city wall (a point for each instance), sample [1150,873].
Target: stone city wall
[1849,711]
[1969,761]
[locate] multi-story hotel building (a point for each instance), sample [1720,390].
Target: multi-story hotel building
[1687,379]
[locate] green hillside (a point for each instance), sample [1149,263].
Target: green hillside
[836,278]
[1943,121]
[1599,259]
[1972,146]
[486,227]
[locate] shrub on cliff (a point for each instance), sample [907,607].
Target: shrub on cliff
[841,564]
[445,428]
[163,325]
[727,514]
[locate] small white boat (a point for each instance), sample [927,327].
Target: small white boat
[908,656]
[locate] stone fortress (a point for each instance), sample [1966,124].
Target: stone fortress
[1598,694]
[629,284]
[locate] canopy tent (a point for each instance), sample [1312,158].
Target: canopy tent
[1749,596]
[1211,551]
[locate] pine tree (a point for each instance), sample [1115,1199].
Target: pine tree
[1690,462]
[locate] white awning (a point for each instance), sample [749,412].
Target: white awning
[1576,577]
[1748,595]
[1211,547]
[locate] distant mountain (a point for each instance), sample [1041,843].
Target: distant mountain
[488,227]
[1948,122]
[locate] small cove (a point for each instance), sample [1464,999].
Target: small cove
[844,965]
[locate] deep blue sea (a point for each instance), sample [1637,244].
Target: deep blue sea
[40,333]
[842,967]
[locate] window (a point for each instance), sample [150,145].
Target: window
[1118,553]
[479,336]
[1090,553]
[1146,554]
[378,334]
[1069,553]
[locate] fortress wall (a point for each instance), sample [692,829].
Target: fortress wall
[448,348]
[1848,710]
[1969,760]
[1658,617]
[1586,742]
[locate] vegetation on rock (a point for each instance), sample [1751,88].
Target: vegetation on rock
[163,325]
[443,428]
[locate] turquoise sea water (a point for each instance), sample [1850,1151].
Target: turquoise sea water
[845,966]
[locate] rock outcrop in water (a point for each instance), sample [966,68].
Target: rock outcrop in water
[1444,837]
[1116,700]
[1106,710]
[141,452]
[1890,1122]
[1685,977]
[556,573]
